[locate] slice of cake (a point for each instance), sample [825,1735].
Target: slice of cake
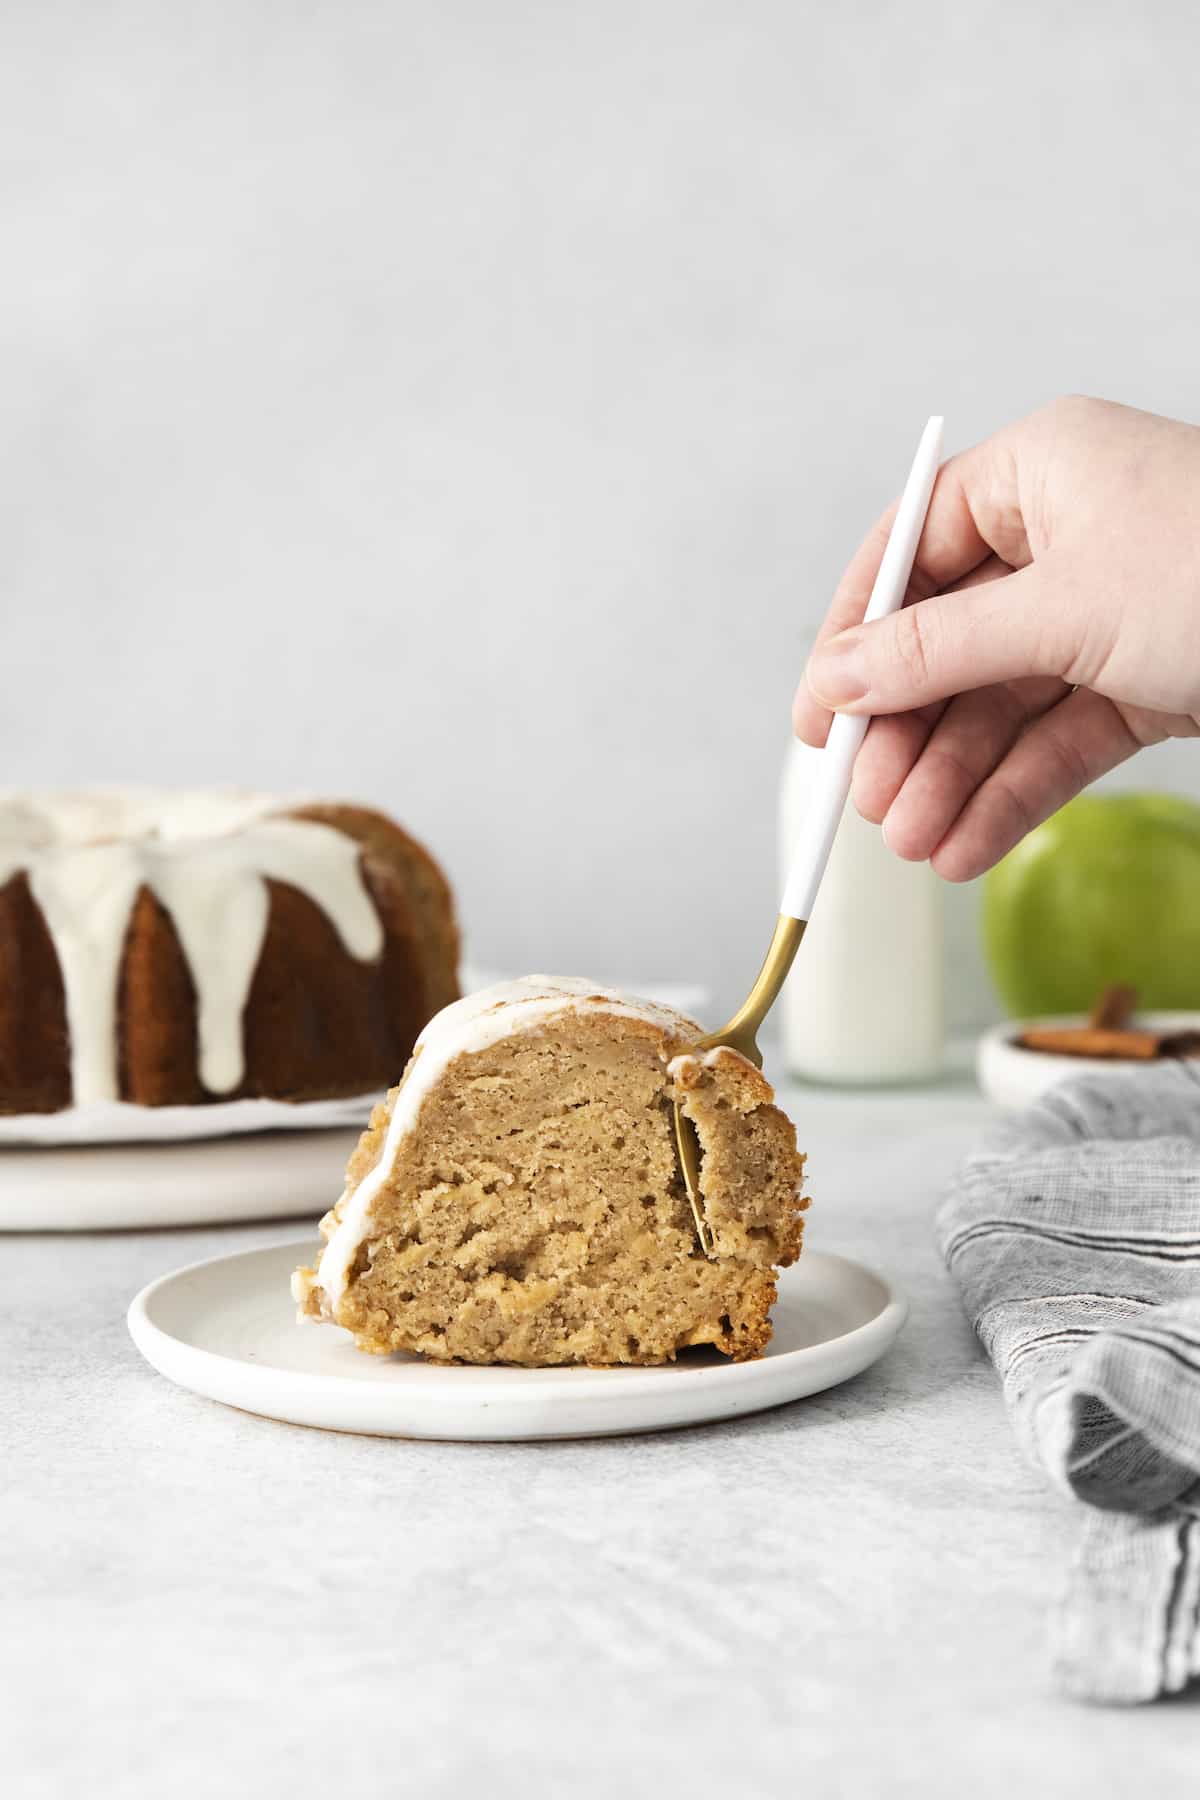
[518,1198]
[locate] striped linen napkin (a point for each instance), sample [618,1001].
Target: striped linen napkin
[1074,1234]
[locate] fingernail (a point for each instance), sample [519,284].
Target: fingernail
[837,672]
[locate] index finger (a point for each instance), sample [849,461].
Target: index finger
[974,512]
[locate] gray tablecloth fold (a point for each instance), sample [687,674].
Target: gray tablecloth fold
[1074,1234]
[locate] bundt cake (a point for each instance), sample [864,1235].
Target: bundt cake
[518,1197]
[177,949]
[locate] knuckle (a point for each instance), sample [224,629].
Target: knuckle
[1069,760]
[951,769]
[1079,408]
[1016,817]
[1066,417]
[914,645]
[1087,655]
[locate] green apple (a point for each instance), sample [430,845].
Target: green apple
[1106,890]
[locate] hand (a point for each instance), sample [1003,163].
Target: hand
[1051,628]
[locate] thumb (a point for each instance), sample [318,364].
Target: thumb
[948,644]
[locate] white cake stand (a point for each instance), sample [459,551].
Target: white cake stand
[101,1187]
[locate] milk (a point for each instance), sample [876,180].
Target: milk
[863,1004]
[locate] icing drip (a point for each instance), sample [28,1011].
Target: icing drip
[207,859]
[464,1028]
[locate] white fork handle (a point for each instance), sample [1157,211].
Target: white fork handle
[846,733]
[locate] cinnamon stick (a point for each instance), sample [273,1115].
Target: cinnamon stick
[1108,1034]
[1115,1007]
[1092,1040]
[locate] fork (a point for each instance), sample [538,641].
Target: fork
[819,828]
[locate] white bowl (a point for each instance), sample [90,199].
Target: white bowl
[1013,1076]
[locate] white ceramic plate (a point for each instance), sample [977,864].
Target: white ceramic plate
[1015,1077]
[227,1329]
[103,1187]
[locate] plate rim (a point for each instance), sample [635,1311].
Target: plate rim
[464,1385]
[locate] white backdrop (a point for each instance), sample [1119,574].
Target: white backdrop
[468,406]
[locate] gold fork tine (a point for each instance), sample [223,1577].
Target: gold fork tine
[741,1033]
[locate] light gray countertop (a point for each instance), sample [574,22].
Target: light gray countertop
[842,1597]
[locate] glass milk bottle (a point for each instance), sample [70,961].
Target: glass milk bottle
[863,1003]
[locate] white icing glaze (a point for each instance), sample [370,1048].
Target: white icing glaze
[207,858]
[708,1060]
[94,815]
[464,1028]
